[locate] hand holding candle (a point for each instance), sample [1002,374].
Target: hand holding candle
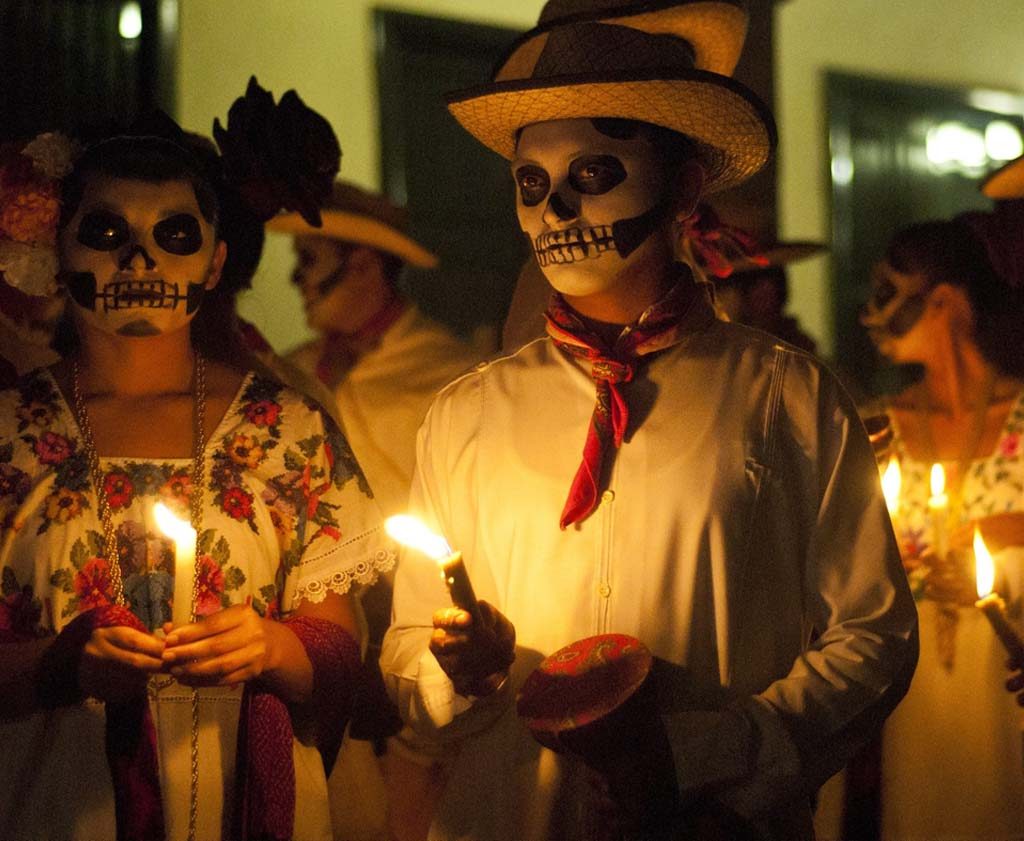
[184,537]
[992,605]
[474,653]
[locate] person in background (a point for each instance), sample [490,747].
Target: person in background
[383,360]
[726,509]
[951,752]
[193,687]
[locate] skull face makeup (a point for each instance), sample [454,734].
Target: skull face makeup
[896,304]
[589,203]
[137,257]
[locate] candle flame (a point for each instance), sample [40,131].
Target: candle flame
[410,531]
[938,480]
[984,566]
[174,527]
[891,481]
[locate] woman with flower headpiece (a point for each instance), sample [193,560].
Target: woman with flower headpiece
[951,752]
[194,687]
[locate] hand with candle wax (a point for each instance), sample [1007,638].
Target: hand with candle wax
[117,662]
[476,659]
[225,648]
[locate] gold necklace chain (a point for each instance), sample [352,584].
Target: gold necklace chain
[195,515]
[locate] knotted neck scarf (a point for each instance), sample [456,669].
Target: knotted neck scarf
[340,351]
[659,327]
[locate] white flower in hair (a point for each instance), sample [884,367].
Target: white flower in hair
[52,154]
[32,269]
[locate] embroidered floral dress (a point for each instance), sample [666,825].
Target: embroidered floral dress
[286,517]
[952,756]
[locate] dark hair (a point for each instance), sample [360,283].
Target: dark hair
[949,252]
[156,159]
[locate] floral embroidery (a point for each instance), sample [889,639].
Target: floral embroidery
[118,489]
[245,451]
[1009,446]
[52,448]
[262,412]
[62,506]
[176,492]
[237,503]
[36,413]
[93,584]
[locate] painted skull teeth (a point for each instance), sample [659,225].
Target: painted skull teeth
[147,294]
[572,245]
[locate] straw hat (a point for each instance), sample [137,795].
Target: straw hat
[664,63]
[1006,182]
[354,215]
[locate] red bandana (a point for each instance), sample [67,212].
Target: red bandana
[658,328]
[341,350]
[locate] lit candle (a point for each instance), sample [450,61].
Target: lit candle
[184,537]
[991,604]
[891,481]
[938,505]
[411,532]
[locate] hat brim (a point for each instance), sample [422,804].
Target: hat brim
[714,110]
[1006,182]
[352,227]
[715,29]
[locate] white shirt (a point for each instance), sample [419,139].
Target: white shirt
[386,393]
[743,512]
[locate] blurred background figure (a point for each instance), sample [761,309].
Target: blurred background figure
[383,360]
[951,763]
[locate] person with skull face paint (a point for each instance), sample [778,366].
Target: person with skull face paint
[115,721]
[951,753]
[727,504]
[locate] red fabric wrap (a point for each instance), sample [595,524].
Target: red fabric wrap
[341,350]
[265,789]
[130,735]
[656,329]
[717,246]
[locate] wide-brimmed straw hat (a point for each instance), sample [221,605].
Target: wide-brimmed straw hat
[1006,182]
[665,63]
[355,215]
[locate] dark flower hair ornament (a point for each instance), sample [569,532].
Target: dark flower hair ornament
[278,155]
[716,247]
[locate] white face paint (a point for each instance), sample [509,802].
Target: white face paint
[589,203]
[340,290]
[138,256]
[895,307]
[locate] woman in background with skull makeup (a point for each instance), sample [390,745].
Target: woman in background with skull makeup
[951,764]
[136,704]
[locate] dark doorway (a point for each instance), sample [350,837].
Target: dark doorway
[459,194]
[70,64]
[901,153]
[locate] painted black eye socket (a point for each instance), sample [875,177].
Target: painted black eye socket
[884,292]
[102,230]
[594,175]
[179,234]
[534,184]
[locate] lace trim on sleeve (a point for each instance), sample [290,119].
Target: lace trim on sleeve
[315,590]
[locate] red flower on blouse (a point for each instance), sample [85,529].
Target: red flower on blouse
[211,585]
[118,489]
[1009,446]
[176,492]
[92,584]
[237,503]
[52,448]
[262,412]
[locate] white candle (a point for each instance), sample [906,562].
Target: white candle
[184,537]
[891,482]
[938,505]
[992,604]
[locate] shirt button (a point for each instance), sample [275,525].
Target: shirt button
[608,496]
[605,590]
